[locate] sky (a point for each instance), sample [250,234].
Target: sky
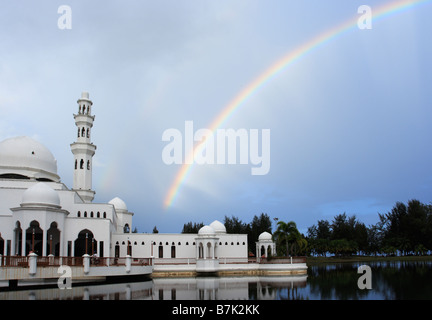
[349,121]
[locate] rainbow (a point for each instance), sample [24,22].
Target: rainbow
[276,68]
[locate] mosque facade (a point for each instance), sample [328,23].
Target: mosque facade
[40,214]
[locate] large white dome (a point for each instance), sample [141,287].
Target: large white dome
[40,194]
[118,204]
[206,231]
[218,226]
[27,158]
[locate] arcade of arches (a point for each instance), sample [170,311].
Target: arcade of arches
[43,243]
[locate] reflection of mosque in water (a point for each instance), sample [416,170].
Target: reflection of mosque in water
[199,288]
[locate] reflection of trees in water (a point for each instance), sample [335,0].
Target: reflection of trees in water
[277,290]
[291,294]
[390,280]
[338,281]
[405,280]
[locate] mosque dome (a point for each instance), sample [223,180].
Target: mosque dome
[23,157]
[206,231]
[218,226]
[40,194]
[118,204]
[265,236]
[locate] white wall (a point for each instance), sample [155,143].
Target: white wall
[228,245]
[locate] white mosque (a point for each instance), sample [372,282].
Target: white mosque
[40,215]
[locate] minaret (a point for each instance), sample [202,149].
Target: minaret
[83,150]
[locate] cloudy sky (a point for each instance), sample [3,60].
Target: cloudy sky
[349,122]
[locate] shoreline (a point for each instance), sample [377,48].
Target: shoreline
[350,259]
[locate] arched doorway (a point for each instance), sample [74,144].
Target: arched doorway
[18,238]
[262,252]
[1,245]
[200,251]
[85,243]
[34,239]
[129,248]
[269,251]
[53,240]
[209,251]
[117,250]
[160,250]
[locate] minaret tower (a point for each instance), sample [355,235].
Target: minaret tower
[83,149]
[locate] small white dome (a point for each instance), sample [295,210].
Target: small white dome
[218,226]
[265,236]
[206,230]
[24,156]
[40,194]
[118,204]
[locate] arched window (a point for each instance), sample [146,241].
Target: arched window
[82,164]
[85,214]
[88,132]
[84,109]
[126,228]
[83,132]
[79,214]
[78,132]
[91,214]
[104,215]
[76,164]
[88,164]
[98,214]
[79,111]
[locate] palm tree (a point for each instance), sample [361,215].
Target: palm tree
[300,244]
[287,233]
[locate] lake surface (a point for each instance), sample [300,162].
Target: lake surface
[390,280]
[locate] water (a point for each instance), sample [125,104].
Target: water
[390,280]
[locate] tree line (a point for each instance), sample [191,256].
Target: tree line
[405,230]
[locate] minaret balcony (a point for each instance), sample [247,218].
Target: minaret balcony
[81,119]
